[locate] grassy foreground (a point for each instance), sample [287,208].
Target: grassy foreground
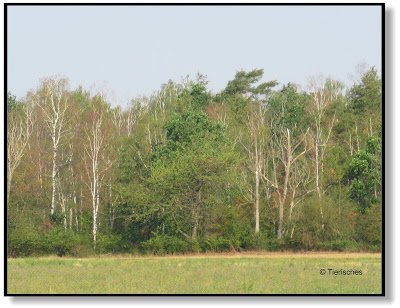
[271,273]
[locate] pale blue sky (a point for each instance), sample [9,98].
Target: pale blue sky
[135,49]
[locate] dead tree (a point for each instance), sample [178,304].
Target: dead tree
[320,134]
[255,150]
[284,153]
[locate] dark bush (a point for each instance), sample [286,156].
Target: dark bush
[164,244]
[23,245]
[55,241]
[369,225]
[112,243]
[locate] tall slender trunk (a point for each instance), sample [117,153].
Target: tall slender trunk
[9,178]
[64,211]
[62,203]
[196,216]
[94,225]
[80,210]
[95,209]
[351,146]
[282,202]
[40,173]
[111,208]
[76,213]
[318,185]
[257,185]
[53,181]
[317,166]
[370,127]
[70,218]
[292,204]
[95,200]
[285,185]
[257,202]
[98,204]
[291,234]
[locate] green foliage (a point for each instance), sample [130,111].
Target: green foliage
[241,92]
[219,244]
[369,225]
[340,244]
[365,175]
[374,146]
[189,168]
[164,244]
[308,232]
[367,96]
[334,89]
[59,242]
[177,171]
[22,245]
[55,241]
[112,243]
[200,96]
[189,127]
[244,82]
[12,103]
[289,106]
[261,242]
[161,244]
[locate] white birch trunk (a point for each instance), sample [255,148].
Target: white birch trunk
[18,133]
[92,158]
[54,106]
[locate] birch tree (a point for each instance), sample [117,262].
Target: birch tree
[53,101]
[298,185]
[256,151]
[320,133]
[94,158]
[287,144]
[284,153]
[20,125]
[243,92]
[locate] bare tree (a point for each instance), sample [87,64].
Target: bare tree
[283,149]
[255,150]
[19,128]
[298,183]
[118,119]
[131,117]
[320,134]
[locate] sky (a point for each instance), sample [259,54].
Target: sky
[132,50]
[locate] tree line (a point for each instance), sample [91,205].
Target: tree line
[252,167]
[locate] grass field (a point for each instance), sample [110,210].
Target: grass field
[244,273]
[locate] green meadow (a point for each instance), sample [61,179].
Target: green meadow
[273,273]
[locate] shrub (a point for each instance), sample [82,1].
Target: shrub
[112,243]
[154,245]
[194,246]
[369,225]
[217,244]
[164,244]
[55,241]
[340,244]
[174,245]
[59,242]
[24,244]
